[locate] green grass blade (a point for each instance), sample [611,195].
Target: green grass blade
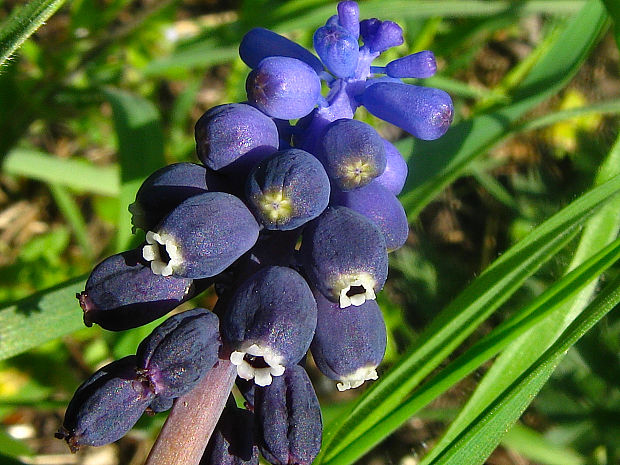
[85,176]
[23,22]
[463,315]
[534,446]
[40,318]
[292,17]
[71,211]
[557,298]
[601,229]
[435,164]
[613,8]
[484,432]
[140,150]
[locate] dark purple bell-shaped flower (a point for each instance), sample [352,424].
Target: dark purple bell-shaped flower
[233,440]
[353,153]
[288,189]
[349,343]
[269,323]
[381,207]
[283,87]
[122,293]
[106,406]
[424,112]
[201,237]
[169,186]
[344,256]
[289,419]
[179,352]
[235,136]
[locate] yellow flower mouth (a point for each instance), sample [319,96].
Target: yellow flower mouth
[275,206]
[357,174]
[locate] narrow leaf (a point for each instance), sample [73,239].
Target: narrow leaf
[79,175]
[601,229]
[140,150]
[40,318]
[23,22]
[483,434]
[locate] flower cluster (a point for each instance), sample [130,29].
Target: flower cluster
[292,224]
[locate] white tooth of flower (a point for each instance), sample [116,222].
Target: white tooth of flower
[245,371]
[262,376]
[236,358]
[357,378]
[277,370]
[358,299]
[149,253]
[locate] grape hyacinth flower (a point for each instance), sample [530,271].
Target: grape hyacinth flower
[290,215]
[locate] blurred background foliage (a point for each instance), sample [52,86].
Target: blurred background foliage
[109,90]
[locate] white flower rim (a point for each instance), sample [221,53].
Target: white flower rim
[150,252]
[261,376]
[364,280]
[357,378]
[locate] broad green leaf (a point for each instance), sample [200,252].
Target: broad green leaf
[601,229]
[23,22]
[493,287]
[140,150]
[484,432]
[434,164]
[40,318]
[79,175]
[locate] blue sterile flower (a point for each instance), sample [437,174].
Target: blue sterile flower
[105,406]
[348,343]
[179,352]
[338,49]
[349,17]
[201,237]
[344,256]
[288,189]
[289,419]
[379,36]
[424,112]
[260,43]
[381,207]
[122,292]
[284,87]
[235,136]
[269,323]
[417,65]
